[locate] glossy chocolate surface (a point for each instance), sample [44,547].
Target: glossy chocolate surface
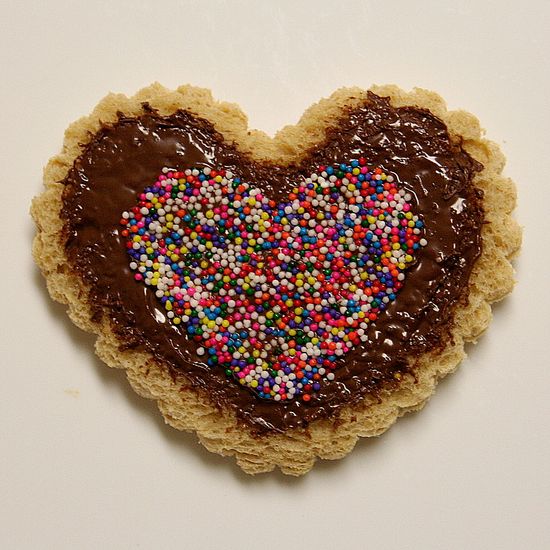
[413,144]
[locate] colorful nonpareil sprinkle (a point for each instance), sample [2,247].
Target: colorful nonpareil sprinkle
[274,293]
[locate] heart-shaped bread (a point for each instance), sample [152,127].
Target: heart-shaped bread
[281,297]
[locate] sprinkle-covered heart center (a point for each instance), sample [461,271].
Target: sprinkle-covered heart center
[274,293]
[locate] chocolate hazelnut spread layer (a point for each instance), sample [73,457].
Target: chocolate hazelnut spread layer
[410,143]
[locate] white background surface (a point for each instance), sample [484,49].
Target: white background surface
[84,463]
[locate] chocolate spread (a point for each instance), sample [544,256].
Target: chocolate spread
[122,158]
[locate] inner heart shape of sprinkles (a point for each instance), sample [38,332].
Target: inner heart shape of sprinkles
[274,293]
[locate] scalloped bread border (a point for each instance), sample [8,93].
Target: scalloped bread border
[183,407]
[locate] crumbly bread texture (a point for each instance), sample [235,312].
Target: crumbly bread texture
[185,408]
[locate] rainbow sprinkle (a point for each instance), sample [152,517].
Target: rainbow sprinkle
[274,293]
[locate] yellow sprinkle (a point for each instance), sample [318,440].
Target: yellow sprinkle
[254,383]
[176,320]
